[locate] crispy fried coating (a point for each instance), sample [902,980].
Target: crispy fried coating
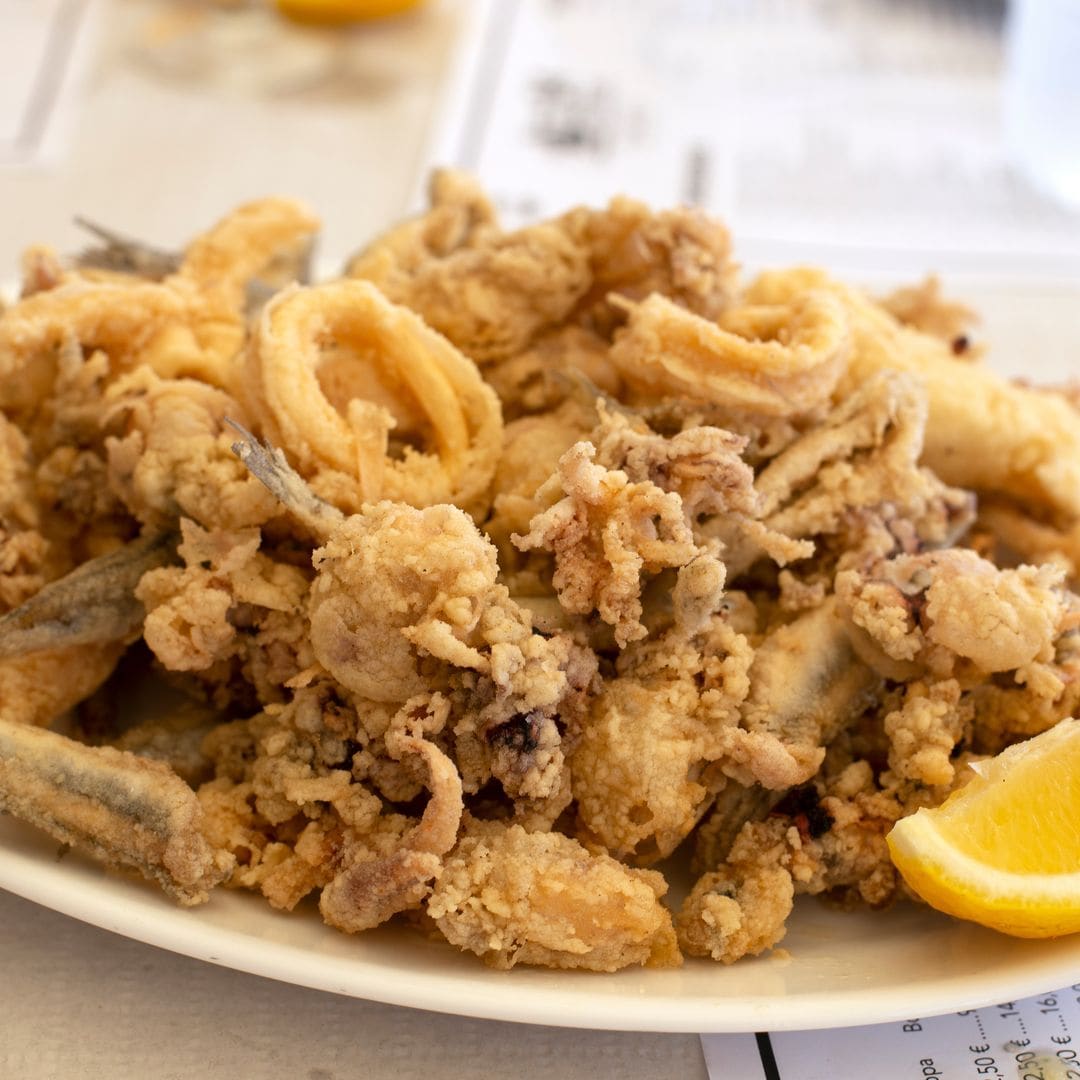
[983,432]
[459,216]
[1047,695]
[366,893]
[836,845]
[515,897]
[396,585]
[24,550]
[127,811]
[491,293]
[605,533]
[495,293]
[189,324]
[635,253]
[407,598]
[640,768]
[333,370]
[512,560]
[229,612]
[628,508]
[936,610]
[286,802]
[269,239]
[858,467]
[564,363]
[532,446]
[776,359]
[492,300]
[733,913]
[173,458]
[132,323]
[926,729]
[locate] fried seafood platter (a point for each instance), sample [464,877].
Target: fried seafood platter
[479,585]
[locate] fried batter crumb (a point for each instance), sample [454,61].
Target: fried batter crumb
[511,563]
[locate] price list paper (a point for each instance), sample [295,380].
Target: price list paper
[817,128]
[1037,1038]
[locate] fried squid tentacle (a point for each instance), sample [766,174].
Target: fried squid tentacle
[367,893]
[124,810]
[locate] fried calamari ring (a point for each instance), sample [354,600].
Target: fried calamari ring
[192,323]
[333,368]
[984,432]
[775,359]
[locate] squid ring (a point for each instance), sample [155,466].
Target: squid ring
[332,369]
[776,360]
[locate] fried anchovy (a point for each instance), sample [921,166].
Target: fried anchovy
[124,810]
[125,255]
[268,465]
[734,807]
[807,686]
[95,602]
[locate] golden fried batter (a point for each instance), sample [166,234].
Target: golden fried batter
[983,432]
[779,359]
[333,370]
[511,562]
[514,897]
[174,458]
[640,769]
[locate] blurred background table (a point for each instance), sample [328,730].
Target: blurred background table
[186,109]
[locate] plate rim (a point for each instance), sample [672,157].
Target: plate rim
[146,916]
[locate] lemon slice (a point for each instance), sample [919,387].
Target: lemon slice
[1004,850]
[343,10]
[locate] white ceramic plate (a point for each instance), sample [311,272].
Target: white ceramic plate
[836,969]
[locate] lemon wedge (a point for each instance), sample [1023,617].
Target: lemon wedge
[343,10]
[1004,850]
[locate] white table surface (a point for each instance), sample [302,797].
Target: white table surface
[78,1002]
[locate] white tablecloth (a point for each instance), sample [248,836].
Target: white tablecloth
[78,1003]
